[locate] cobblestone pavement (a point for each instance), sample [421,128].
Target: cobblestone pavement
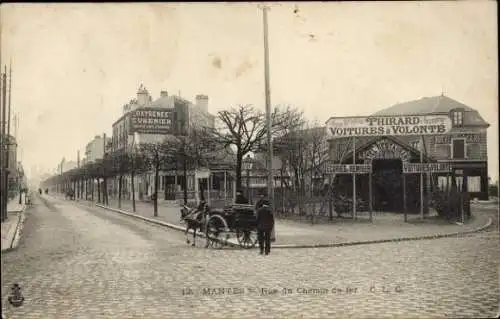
[76,262]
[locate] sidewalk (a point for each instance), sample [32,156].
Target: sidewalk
[11,228]
[291,234]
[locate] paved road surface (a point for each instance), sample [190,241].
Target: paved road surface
[87,263]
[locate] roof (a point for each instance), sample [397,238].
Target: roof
[164,101]
[433,105]
[426,105]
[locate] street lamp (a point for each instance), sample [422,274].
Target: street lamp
[247,165]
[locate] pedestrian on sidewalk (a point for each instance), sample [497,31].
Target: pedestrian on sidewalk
[265,224]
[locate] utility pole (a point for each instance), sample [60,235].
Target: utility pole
[270,174]
[3,195]
[9,139]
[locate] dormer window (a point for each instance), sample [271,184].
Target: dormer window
[457,117]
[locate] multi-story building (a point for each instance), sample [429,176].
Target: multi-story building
[68,165]
[463,148]
[95,148]
[148,121]
[12,163]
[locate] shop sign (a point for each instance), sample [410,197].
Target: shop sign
[426,167]
[348,168]
[385,149]
[152,121]
[404,125]
[469,138]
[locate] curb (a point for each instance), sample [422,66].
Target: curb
[292,246]
[17,234]
[162,223]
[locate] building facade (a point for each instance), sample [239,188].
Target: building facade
[95,149]
[463,149]
[145,120]
[12,164]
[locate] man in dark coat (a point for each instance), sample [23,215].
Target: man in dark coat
[240,198]
[261,200]
[265,224]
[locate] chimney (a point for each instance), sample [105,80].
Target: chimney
[163,93]
[202,102]
[142,96]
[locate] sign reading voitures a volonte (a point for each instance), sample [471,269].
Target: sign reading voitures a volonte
[152,120]
[388,125]
[426,167]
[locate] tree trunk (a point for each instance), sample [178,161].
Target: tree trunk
[132,175]
[282,189]
[105,191]
[239,160]
[184,169]
[92,189]
[120,191]
[155,201]
[297,190]
[99,190]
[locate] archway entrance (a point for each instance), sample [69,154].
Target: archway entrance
[387,185]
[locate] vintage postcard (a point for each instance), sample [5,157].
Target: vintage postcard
[249,160]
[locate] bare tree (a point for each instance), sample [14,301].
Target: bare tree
[303,151]
[136,164]
[244,128]
[157,156]
[198,148]
[107,171]
[121,165]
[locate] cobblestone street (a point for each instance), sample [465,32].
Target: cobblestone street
[76,262]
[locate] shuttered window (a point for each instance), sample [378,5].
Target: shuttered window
[474,184]
[458,149]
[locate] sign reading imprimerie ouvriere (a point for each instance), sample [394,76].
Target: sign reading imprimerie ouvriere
[388,125]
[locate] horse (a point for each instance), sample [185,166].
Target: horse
[70,194]
[194,219]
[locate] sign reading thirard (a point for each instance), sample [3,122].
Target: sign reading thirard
[152,120]
[388,125]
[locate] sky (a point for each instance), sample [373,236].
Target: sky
[76,65]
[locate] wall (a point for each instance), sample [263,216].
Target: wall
[69,165]
[95,148]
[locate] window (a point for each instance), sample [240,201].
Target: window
[474,184]
[442,183]
[460,181]
[457,118]
[458,149]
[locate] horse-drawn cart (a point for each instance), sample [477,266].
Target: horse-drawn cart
[220,225]
[238,220]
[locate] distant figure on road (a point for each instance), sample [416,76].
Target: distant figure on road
[40,191]
[46,191]
[265,224]
[240,198]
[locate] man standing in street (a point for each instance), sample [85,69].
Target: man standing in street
[265,224]
[261,200]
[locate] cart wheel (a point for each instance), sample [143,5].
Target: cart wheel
[214,232]
[246,238]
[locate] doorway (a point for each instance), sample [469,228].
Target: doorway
[387,185]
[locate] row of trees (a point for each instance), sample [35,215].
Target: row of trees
[240,131]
